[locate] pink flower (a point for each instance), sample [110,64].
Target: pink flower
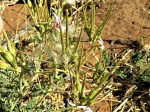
[59,24]
[57,21]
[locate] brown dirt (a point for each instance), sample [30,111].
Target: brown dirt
[129,21]
[15,18]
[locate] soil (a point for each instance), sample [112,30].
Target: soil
[128,22]
[15,18]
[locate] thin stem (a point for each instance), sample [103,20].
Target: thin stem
[92,21]
[78,42]
[67,37]
[62,40]
[101,27]
[32,16]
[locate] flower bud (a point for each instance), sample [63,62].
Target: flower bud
[57,21]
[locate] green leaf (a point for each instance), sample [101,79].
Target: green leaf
[3,90]
[146,76]
[4,81]
[32,103]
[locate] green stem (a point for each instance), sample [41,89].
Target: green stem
[78,42]
[103,79]
[32,16]
[67,37]
[84,16]
[62,40]
[92,21]
[83,87]
[101,27]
